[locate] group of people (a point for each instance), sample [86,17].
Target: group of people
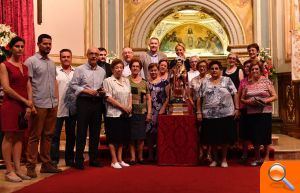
[128,94]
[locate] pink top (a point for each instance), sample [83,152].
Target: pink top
[243,85]
[259,90]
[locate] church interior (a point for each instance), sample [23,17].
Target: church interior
[210,29]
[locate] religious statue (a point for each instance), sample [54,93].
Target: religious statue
[178,93]
[178,80]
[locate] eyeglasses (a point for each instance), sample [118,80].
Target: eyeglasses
[216,68]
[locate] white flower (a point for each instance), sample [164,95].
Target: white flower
[5,35]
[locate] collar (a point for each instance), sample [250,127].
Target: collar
[125,63]
[90,67]
[39,56]
[120,82]
[153,55]
[60,68]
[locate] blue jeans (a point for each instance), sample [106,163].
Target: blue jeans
[70,124]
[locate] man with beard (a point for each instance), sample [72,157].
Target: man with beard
[42,74]
[102,61]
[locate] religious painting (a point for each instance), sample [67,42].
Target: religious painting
[198,40]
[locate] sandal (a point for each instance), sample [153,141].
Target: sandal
[12,177]
[23,176]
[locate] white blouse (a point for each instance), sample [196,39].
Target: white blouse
[118,90]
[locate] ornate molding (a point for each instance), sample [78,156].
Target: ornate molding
[225,15]
[291,106]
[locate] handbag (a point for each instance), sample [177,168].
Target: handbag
[22,121]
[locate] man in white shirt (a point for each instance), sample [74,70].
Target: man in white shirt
[127,55]
[193,70]
[64,76]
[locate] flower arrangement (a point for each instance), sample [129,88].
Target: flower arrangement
[5,36]
[266,58]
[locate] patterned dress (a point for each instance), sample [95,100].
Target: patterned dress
[158,96]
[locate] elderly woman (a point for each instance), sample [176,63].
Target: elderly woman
[159,92]
[218,105]
[180,52]
[163,66]
[119,108]
[141,110]
[258,95]
[233,71]
[17,106]
[196,81]
[194,95]
[253,51]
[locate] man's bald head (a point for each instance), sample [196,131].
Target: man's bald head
[127,54]
[92,54]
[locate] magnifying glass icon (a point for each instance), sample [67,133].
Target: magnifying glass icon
[277,173]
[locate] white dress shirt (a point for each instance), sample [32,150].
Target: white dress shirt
[192,74]
[63,80]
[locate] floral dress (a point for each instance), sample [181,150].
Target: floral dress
[158,97]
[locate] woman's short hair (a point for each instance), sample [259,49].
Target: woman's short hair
[254,45]
[257,63]
[163,60]
[202,61]
[115,62]
[181,45]
[135,59]
[247,62]
[152,65]
[213,62]
[14,40]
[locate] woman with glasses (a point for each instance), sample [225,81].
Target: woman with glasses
[217,108]
[233,71]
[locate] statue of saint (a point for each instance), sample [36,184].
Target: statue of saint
[178,81]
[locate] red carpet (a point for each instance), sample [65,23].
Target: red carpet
[151,179]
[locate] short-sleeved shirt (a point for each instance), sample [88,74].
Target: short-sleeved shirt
[42,72]
[86,77]
[139,99]
[118,90]
[260,90]
[217,100]
[63,81]
[195,85]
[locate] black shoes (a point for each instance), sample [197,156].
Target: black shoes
[79,165]
[95,164]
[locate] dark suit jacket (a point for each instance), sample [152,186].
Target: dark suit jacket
[106,67]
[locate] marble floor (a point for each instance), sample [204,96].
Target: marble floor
[286,148]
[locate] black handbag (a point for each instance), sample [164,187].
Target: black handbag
[22,121]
